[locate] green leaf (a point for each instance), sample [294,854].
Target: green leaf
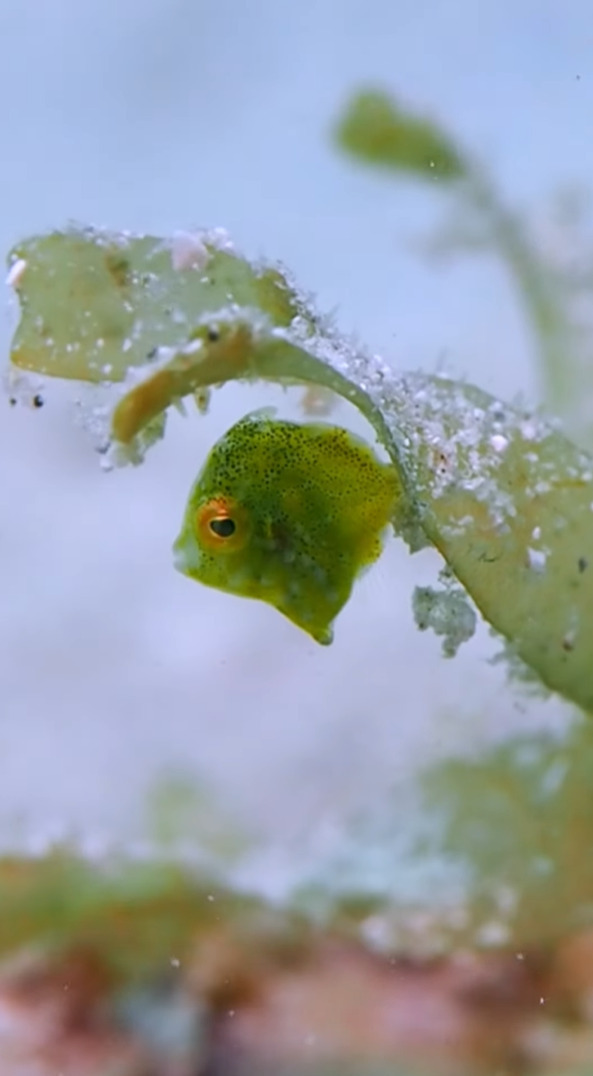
[94,304]
[376,129]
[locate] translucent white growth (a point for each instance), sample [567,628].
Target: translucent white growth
[499,443]
[16,272]
[220,239]
[23,388]
[537,559]
[188,251]
[448,612]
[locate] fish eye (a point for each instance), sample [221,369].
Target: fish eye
[223,527]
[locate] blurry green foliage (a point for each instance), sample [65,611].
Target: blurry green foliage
[183,812]
[135,914]
[376,129]
[379,131]
[520,818]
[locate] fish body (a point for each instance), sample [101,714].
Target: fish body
[289,514]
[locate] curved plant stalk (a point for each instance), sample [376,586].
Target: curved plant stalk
[505,498]
[377,130]
[544,308]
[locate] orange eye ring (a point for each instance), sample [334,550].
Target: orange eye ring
[221,525]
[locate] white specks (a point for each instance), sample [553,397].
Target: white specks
[16,272]
[528,431]
[188,251]
[537,559]
[536,534]
[23,388]
[449,614]
[377,933]
[493,934]
[175,962]
[211,898]
[193,347]
[499,443]
[506,899]
[220,239]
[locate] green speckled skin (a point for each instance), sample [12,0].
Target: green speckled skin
[309,503]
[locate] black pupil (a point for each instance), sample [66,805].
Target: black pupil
[224,528]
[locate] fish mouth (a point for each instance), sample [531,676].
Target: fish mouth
[182,555]
[179,560]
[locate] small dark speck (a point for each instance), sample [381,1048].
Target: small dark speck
[152,354]
[12,401]
[38,401]
[582,563]
[213,335]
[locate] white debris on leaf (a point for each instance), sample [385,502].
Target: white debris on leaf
[16,272]
[537,559]
[448,613]
[219,239]
[499,443]
[317,401]
[449,438]
[23,388]
[93,410]
[188,251]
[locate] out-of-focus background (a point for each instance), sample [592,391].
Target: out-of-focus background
[116,673]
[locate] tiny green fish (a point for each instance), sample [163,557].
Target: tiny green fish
[289,514]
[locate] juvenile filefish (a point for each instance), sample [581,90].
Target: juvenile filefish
[290,514]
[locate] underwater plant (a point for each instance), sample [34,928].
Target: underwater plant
[499,490]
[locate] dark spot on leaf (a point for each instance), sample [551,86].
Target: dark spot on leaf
[118,267]
[38,400]
[583,563]
[213,335]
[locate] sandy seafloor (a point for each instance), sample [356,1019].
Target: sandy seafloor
[114,670]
